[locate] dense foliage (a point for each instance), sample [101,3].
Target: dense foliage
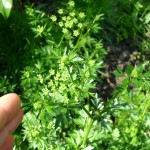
[52,56]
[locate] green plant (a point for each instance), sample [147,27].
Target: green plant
[132,120]
[124,20]
[60,75]
[56,58]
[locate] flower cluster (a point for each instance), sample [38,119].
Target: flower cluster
[40,78]
[57,85]
[71,20]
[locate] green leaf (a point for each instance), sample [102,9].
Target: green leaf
[118,73]
[58,121]
[70,141]
[129,70]
[147,18]
[116,133]
[134,73]
[5,7]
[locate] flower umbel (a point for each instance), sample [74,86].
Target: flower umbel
[40,78]
[60,11]
[54,18]
[45,91]
[76,33]
[72,14]
[37,105]
[64,30]
[75,20]
[51,72]
[80,25]
[81,15]
[64,18]
[61,24]
[40,29]
[71,3]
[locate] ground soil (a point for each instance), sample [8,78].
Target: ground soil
[121,55]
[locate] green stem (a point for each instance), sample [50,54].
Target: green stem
[145,12]
[89,123]
[78,41]
[89,115]
[60,40]
[69,75]
[145,109]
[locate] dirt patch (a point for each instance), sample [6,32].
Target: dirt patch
[120,55]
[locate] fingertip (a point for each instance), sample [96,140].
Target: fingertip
[9,106]
[15,97]
[11,96]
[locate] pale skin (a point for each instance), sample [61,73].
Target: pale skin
[11,116]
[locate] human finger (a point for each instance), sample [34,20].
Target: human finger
[8,145]
[9,107]
[10,127]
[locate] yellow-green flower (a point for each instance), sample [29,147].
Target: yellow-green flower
[61,65]
[40,29]
[71,3]
[69,18]
[72,87]
[75,20]
[66,99]
[65,76]
[60,11]
[40,78]
[72,14]
[61,24]
[56,82]
[50,83]
[62,88]
[91,62]
[64,30]
[69,24]
[54,18]
[64,58]
[51,72]
[64,18]
[37,105]
[45,91]
[80,25]
[76,33]
[81,15]
[57,76]
[34,133]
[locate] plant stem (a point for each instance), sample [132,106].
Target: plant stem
[89,115]
[61,41]
[145,109]
[89,123]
